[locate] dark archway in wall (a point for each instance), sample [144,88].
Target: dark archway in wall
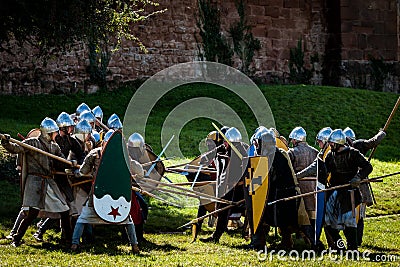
[333,47]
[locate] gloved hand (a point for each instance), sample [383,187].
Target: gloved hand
[355,182]
[74,163]
[6,139]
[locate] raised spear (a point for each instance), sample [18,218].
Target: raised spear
[396,106]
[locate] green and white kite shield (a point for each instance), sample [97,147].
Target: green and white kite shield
[112,185]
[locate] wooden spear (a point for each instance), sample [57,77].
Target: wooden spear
[199,194]
[210,214]
[196,183]
[193,194]
[38,150]
[386,124]
[144,192]
[396,106]
[375,179]
[188,170]
[102,125]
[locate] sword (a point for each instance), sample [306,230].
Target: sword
[195,178]
[159,156]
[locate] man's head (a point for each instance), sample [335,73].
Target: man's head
[65,123]
[89,117]
[233,135]
[48,129]
[115,124]
[337,140]
[256,136]
[266,144]
[83,130]
[213,140]
[350,135]
[81,108]
[297,135]
[111,118]
[136,146]
[322,137]
[98,113]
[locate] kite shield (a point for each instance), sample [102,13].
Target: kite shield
[112,184]
[256,184]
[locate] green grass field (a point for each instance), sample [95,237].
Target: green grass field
[308,106]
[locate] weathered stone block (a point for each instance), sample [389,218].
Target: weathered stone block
[272,11]
[256,10]
[349,40]
[274,33]
[349,13]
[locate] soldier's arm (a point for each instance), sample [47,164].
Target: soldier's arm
[136,169]
[364,166]
[88,164]
[310,171]
[12,147]
[57,151]
[374,141]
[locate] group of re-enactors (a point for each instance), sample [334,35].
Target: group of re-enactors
[56,191]
[50,194]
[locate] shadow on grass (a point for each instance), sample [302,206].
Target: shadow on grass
[380,249]
[102,246]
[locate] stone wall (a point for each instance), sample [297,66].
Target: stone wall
[368,27]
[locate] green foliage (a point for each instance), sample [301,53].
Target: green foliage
[56,25]
[298,73]
[7,166]
[244,43]
[214,44]
[45,24]
[379,72]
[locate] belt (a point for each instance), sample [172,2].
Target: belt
[41,175]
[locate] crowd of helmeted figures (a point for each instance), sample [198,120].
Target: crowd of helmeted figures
[59,192]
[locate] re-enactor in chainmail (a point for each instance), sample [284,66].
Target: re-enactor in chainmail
[40,191]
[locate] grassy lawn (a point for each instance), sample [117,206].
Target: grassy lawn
[310,107]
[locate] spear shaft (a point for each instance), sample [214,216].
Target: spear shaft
[211,213]
[375,179]
[37,150]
